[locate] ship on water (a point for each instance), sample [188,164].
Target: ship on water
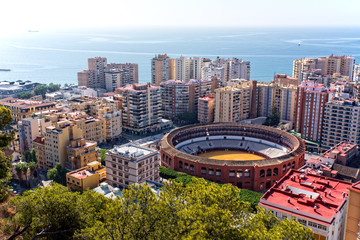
[5,69]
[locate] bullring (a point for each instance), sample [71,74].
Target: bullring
[279,152]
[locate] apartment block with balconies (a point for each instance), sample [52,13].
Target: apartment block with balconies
[128,164]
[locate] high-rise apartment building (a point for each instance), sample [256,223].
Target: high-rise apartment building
[283,96]
[141,107]
[107,76]
[237,69]
[179,96]
[327,66]
[233,103]
[119,75]
[128,164]
[57,140]
[188,68]
[341,122]
[113,122]
[206,108]
[356,77]
[29,129]
[162,69]
[310,108]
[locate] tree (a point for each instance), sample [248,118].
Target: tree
[102,156]
[188,117]
[40,90]
[201,210]
[5,162]
[57,174]
[53,87]
[33,156]
[274,118]
[24,95]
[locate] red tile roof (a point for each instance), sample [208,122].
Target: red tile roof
[307,195]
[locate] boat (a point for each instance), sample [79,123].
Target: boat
[5,69]
[299,43]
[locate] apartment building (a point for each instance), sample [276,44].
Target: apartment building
[317,202]
[113,122]
[343,65]
[162,69]
[93,128]
[39,146]
[81,152]
[128,164]
[233,103]
[236,69]
[341,123]
[100,74]
[352,229]
[356,77]
[206,106]
[310,109]
[21,108]
[29,129]
[278,94]
[141,107]
[179,96]
[87,177]
[57,139]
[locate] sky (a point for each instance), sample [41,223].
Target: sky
[23,15]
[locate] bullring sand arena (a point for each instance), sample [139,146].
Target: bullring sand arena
[245,155]
[230,155]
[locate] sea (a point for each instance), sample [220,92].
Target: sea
[55,56]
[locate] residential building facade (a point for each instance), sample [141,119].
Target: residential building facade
[128,164]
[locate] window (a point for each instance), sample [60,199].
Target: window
[302,221]
[262,173]
[218,172]
[203,171]
[186,166]
[239,173]
[180,164]
[211,171]
[247,173]
[276,172]
[232,173]
[191,168]
[268,173]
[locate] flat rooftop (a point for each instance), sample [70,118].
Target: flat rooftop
[130,150]
[308,196]
[81,174]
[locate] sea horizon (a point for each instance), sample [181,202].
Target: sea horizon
[56,56]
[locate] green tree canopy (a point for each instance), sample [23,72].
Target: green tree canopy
[102,156]
[274,118]
[57,174]
[201,210]
[24,95]
[53,87]
[40,90]
[5,162]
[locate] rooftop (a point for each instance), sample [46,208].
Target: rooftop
[131,150]
[341,148]
[83,173]
[308,196]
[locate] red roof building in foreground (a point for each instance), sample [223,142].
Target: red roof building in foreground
[352,230]
[317,202]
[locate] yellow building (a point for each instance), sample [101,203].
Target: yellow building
[57,139]
[352,229]
[21,109]
[86,177]
[283,96]
[81,152]
[39,146]
[233,103]
[93,128]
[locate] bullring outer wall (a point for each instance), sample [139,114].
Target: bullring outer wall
[255,175]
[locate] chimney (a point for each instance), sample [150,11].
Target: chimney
[289,200]
[325,193]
